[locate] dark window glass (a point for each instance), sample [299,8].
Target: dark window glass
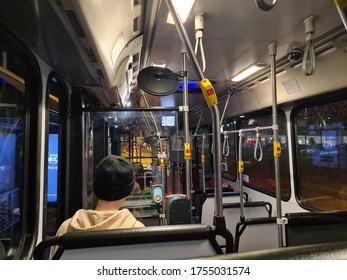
[321,151]
[12,135]
[260,175]
[204,159]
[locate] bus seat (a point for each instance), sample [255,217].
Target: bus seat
[258,208]
[208,205]
[315,227]
[257,234]
[178,209]
[162,242]
[322,251]
[253,209]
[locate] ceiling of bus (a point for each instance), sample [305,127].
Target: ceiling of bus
[236,34]
[40,27]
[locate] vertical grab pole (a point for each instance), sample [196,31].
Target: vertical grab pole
[203,163]
[217,159]
[154,122]
[188,157]
[214,112]
[276,144]
[212,101]
[185,39]
[240,169]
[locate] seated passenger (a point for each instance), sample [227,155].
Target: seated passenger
[114,181]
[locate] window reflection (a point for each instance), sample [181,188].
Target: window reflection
[12,134]
[203,159]
[260,174]
[151,141]
[321,138]
[228,152]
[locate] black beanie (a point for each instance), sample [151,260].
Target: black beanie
[114,178]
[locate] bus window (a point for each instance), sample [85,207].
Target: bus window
[321,155]
[202,147]
[260,175]
[145,139]
[12,135]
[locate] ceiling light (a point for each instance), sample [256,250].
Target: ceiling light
[248,71]
[159,63]
[183,8]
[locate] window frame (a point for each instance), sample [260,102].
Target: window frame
[63,152]
[324,98]
[32,149]
[266,113]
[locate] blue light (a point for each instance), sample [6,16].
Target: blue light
[193,86]
[3,81]
[52,168]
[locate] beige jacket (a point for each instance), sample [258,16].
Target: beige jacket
[87,220]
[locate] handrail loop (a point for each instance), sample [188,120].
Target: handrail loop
[258,144]
[226,148]
[309,59]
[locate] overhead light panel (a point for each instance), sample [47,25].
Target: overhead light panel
[248,72]
[159,63]
[183,8]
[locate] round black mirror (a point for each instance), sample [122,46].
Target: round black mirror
[158,81]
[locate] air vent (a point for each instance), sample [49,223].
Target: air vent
[136,68]
[75,23]
[251,85]
[91,55]
[263,80]
[100,74]
[136,24]
[136,57]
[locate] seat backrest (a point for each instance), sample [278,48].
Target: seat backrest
[315,227]
[178,209]
[254,209]
[325,251]
[208,206]
[162,242]
[256,234]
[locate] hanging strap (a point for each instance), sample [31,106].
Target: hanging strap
[258,144]
[226,148]
[309,59]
